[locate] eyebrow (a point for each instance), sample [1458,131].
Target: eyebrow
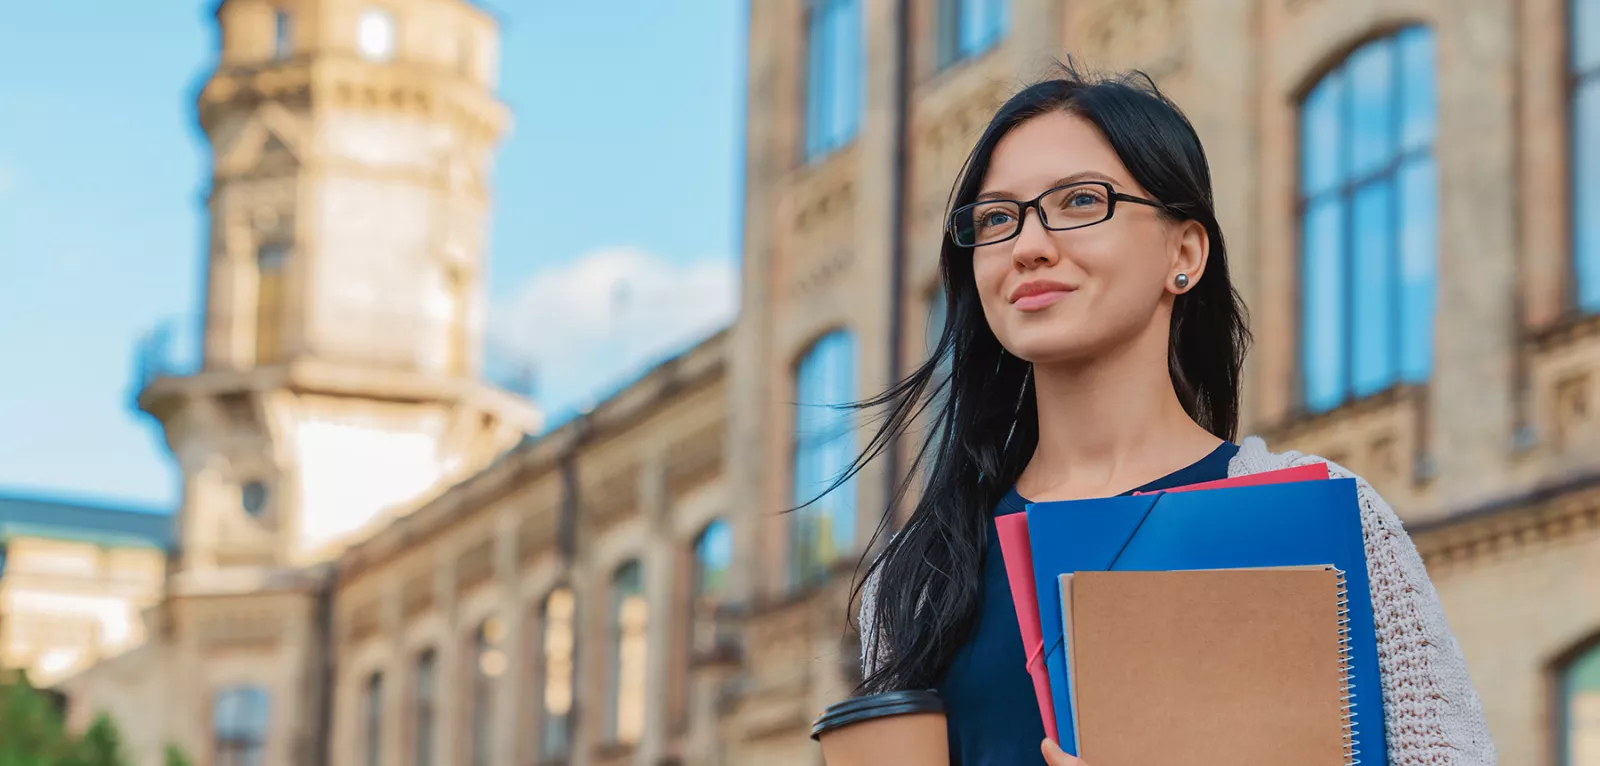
[1086,175]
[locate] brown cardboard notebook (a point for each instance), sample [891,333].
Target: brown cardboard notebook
[1242,667]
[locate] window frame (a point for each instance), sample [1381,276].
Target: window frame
[1560,690]
[245,742]
[819,112]
[614,649]
[481,690]
[549,721]
[1344,192]
[424,711]
[282,34]
[372,719]
[949,24]
[1575,80]
[801,574]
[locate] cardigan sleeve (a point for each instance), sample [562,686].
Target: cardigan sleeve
[1432,714]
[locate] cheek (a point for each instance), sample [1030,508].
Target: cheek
[989,272]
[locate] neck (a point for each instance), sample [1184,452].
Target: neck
[1110,425]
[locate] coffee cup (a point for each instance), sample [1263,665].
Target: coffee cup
[905,728]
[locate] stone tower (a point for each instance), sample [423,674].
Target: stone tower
[352,143]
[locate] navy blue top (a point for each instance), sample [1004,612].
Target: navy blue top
[988,694]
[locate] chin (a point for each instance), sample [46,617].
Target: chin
[1056,349]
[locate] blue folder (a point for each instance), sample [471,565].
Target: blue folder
[1312,522]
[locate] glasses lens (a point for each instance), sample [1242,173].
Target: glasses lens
[985,223]
[1077,205]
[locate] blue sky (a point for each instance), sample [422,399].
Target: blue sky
[102,172]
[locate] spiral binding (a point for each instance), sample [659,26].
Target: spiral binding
[1351,743]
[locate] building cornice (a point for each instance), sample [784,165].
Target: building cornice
[1552,512]
[699,366]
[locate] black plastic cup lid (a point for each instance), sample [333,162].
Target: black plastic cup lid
[872,706]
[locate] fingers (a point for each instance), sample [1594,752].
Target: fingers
[1054,755]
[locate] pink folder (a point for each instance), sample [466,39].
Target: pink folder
[1017,551]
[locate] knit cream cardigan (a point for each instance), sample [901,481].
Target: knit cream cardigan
[1432,715]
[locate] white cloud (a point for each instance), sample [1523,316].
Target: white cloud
[592,324]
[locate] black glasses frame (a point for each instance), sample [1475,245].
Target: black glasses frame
[1112,197]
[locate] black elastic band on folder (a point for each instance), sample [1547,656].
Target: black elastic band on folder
[1136,529]
[1062,639]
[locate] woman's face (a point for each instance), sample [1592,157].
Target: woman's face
[1065,296]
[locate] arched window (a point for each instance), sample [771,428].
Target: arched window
[424,711]
[630,616]
[558,642]
[372,714]
[713,559]
[967,28]
[834,75]
[1584,73]
[1580,710]
[282,35]
[488,663]
[239,717]
[1368,206]
[825,445]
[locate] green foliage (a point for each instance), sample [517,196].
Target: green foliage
[32,732]
[175,757]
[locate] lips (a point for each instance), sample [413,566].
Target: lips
[1039,294]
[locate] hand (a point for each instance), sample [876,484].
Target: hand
[1055,756]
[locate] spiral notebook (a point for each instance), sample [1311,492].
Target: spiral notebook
[1231,667]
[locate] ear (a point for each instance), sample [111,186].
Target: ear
[1193,248]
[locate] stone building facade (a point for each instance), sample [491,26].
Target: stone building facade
[75,580]
[624,590]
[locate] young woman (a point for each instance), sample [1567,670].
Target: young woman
[1093,344]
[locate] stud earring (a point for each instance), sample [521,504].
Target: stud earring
[1182,281]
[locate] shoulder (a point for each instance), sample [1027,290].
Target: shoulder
[1255,457]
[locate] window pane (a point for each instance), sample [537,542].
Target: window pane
[1585,35]
[713,555]
[1373,288]
[937,309]
[554,737]
[1586,193]
[282,40]
[949,32]
[1372,118]
[824,448]
[1418,90]
[629,615]
[422,742]
[834,75]
[847,72]
[375,720]
[974,26]
[1319,137]
[832,71]
[1323,304]
[239,717]
[816,86]
[1419,255]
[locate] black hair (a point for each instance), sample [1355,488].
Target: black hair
[979,400]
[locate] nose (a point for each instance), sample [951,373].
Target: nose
[1033,247]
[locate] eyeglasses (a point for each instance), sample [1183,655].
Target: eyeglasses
[1073,206]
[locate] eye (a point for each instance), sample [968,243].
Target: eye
[1082,198]
[994,218]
